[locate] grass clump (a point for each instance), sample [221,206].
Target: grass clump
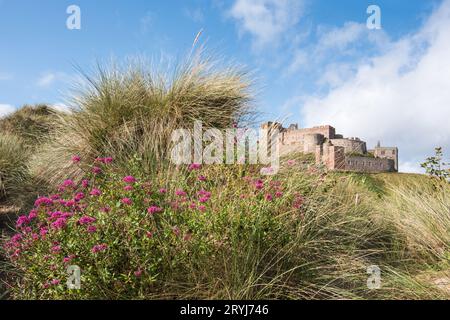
[21,134]
[13,165]
[131,111]
[30,123]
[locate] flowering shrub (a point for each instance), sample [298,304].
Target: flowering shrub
[130,235]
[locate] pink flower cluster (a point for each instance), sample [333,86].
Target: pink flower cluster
[99,248]
[127,201]
[106,160]
[86,220]
[154,209]
[95,192]
[194,166]
[129,179]
[204,196]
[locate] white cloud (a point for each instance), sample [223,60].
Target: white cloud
[266,20]
[6,109]
[5,76]
[195,15]
[62,107]
[350,40]
[146,22]
[46,80]
[401,97]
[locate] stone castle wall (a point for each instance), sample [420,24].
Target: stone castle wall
[366,164]
[334,158]
[351,145]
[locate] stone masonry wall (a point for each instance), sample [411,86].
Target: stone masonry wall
[365,164]
[351,145]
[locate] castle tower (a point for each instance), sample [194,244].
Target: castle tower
[387,153]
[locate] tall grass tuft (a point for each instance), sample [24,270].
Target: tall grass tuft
[131,111]
[31,123]
[13,164]
[421,213]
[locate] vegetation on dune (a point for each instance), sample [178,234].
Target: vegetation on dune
[142,228]
[13,164]
[30,123]
[21,134]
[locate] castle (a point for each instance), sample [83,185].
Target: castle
[333,150]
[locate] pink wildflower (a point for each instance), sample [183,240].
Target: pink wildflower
[43,231]
[96,170]
[203,199]
[108,160]
[154,209]
[70,203]
[86,220]
[56,249]
[68,183]
[194,166]
[85,183]
[43,201]
[127,201]
[60,223]
[76,159]
[55,197]
[92,229]
[79,196]
[99,248]
[259,184]
[105,209]
[180,193]
[22,220]
[95,192]
[69,258]
[138,273]
[128,188]
[129,179]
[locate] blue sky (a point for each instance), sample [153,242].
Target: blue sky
[315,60]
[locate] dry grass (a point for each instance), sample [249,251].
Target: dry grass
[131,111]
